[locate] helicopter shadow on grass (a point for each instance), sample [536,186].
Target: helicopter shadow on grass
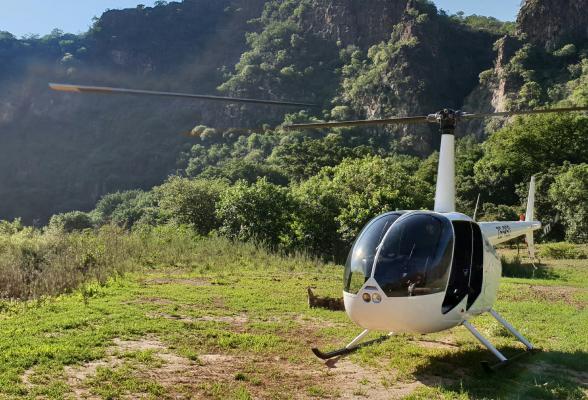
[543,374]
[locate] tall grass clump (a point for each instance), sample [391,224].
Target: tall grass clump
[35,263]
[51,261]
[562,250]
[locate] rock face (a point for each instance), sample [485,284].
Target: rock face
[354,22]
[430,64]
[505,48]
[552,23]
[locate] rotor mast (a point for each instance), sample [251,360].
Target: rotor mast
[445,189]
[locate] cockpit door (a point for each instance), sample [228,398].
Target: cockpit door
[467,266]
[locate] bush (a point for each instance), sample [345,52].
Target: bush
[261,211]
[514,268]
[191,202]
[126,208]
[561,250]
[71,221]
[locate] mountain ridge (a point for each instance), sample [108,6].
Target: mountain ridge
[61,152]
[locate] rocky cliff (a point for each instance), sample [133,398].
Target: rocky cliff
[553,23]
[351,22]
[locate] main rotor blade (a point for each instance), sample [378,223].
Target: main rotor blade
[363,122]
[110,90]
[522,112]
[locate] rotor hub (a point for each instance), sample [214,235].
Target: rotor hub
[447,120]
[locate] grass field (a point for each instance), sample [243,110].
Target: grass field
[232,322]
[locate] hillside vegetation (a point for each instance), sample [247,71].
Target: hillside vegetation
[321,187]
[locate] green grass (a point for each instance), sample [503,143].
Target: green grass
[232,322]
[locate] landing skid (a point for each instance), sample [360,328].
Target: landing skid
[503,360]
[351,347]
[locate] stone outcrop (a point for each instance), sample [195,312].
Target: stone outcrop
[553,23]
[354,22]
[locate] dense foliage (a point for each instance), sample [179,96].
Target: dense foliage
[569,194]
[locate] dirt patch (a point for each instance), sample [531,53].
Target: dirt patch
[155,300]
[178,281]
[355,381]
[77,375]
[565,294]
[264,376]
[558,293]
[445,344]
[237,320]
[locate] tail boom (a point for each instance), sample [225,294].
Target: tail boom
[500,232]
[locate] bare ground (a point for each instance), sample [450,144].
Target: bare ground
[184,378]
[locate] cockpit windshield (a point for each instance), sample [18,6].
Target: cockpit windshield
[358,267]
[415,256]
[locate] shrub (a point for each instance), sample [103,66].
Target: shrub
[514,268]
[261,211]
[126,208]
[191,202]
[561,250]
[71,221]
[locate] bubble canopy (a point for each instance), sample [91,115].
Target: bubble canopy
[410,256]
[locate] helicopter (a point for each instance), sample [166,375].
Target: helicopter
[415,271]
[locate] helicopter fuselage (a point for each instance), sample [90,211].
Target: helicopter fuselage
[424,271]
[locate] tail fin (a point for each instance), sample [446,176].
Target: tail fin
[529,216]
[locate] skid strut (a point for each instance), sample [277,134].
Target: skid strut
[351,347]
[503,360]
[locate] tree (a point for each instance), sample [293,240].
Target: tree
[283,59]
[569,193]
[302,158]
[261,211]
[314,226]
[191,202]
[234,170]
[337,203]
[374,185]
[527,146]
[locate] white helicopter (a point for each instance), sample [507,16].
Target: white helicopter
[415,271]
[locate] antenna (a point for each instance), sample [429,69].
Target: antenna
[476,209]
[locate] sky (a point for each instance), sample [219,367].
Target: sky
[23,17]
